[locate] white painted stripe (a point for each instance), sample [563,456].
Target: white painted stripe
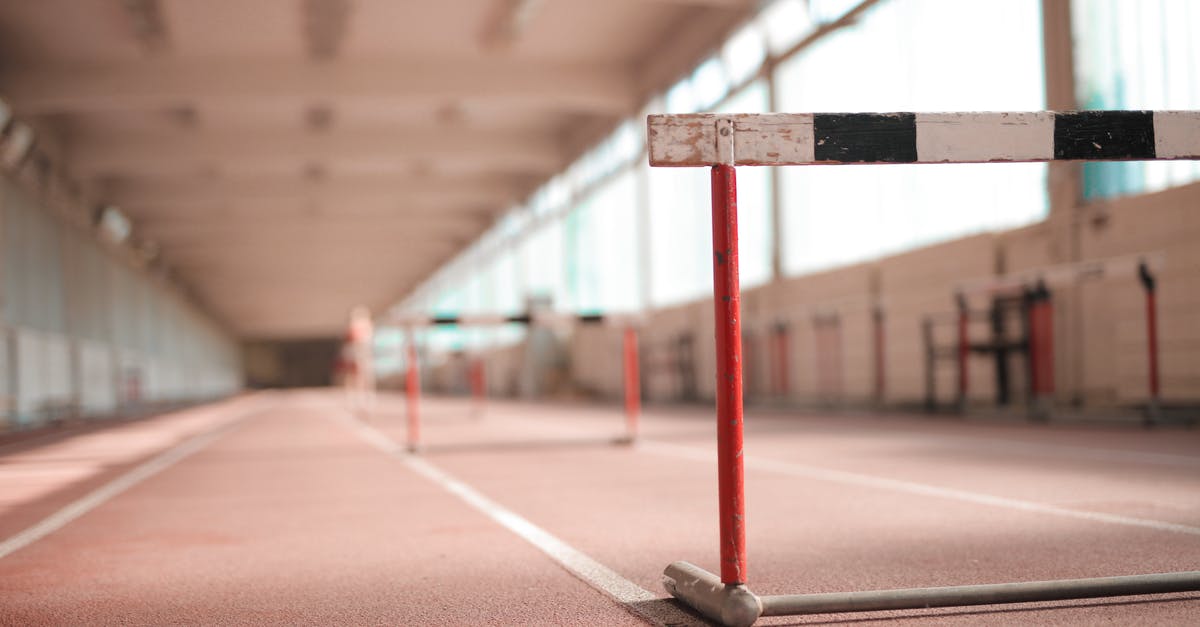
[1069,451]
[912,487]
[575,561]
[100,495]
[1177,134]
[983,137]
[482,320]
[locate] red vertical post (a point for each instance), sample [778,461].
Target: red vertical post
[633,399]
[964,350]
[478,377]
[1152,342]
[412,392]
[880,371]
[782,376]
[1041,348]
[1149,285]
[727,309]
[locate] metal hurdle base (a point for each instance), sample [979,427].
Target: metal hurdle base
[703,591]
[736,606]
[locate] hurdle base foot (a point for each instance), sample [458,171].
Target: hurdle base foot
[731,605]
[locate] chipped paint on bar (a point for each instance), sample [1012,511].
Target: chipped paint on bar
[693,140]
[772,138]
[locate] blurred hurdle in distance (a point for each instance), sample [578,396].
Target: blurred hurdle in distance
[629,357]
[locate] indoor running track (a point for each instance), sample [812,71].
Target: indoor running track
[285,508]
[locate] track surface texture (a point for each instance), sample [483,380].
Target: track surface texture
[286,508]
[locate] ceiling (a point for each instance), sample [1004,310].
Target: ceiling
[293,158]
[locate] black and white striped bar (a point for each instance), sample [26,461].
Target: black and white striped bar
[705,139]
[545,318]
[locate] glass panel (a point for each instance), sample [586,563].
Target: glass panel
[1137,55]
[744,53]
[894,59]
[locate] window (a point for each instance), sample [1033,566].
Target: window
[1137,55]
[603,258]
[895,59]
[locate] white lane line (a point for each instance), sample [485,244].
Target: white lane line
[1069,450]
[578,563]
[97,497]
[912,487]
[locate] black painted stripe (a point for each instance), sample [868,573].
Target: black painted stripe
[1104,135]
[519,319]
[438,320]
[592,318]
[865,137]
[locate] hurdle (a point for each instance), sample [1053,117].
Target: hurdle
[1034,287]
[631,379]
[724,141]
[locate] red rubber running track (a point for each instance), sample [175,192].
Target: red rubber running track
[282,508]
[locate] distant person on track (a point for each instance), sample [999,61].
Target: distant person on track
[358,361]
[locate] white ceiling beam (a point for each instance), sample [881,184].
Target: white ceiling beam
[348,196]
[157,84]
[430,222]
[135,154]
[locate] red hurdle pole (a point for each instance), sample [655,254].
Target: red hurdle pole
[880,370]
[1149,285]
[964,351]
[633,400]
[477,374]
[782,376]
[727,306]
[1041,348]
[412,392]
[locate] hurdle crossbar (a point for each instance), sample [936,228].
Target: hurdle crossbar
[542,318]
[723,141]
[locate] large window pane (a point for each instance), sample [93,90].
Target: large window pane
[896,59]
[1137,55]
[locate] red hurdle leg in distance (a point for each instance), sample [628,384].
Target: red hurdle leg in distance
[633,399]
[1149,285]
[964,351]
[1041,347]
[727,306]
[477,373]
[879,345]
[412,392]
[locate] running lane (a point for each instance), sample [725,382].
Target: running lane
[290,518]
[298,513]
[841,503]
